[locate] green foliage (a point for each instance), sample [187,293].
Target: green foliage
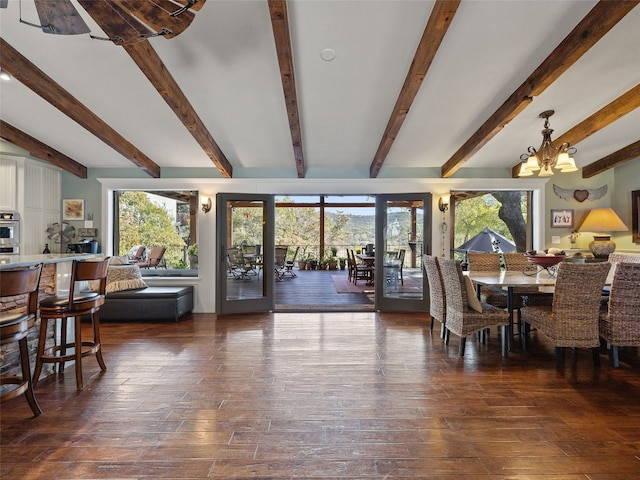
[142,222]
[193,250]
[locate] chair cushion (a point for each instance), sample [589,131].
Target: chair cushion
[474,302]
[62,302]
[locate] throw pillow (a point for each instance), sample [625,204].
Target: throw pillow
[124,277]
[474,303]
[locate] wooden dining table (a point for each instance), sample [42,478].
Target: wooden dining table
[510,280]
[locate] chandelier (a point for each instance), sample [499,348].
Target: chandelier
[548,156]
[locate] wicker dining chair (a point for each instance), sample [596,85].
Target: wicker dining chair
[620,322]
[437,301]
[572,319]
[487,262]
[461,319]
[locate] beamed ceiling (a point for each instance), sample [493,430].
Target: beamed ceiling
[241,87]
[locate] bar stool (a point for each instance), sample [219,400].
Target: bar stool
[15,325]
[79,302]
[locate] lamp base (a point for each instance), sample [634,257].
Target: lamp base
[602,246]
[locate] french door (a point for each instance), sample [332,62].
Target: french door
[245,270]
[403,234]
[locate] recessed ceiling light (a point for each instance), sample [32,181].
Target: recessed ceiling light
[328,54]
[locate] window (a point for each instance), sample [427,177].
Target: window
[158,219]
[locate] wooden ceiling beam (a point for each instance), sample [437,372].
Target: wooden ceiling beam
[600,20]
[41,150]
[619,157]
[282,37]
[32,77]
[155,70]
[435,30]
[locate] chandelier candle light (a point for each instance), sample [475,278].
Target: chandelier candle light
[548,156]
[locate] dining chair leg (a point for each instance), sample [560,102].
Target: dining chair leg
[525,336]
[504,331]
[463,341]
[447,334]
[559,357]
[432,323]
[443,331]
[613,356]
[595,352]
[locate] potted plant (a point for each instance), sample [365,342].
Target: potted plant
[324,263]
[192,252]
[343,263]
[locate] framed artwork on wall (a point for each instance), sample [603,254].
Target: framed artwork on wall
[562,218]
[635,214]
[73,209]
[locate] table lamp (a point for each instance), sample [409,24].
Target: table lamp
[602,220]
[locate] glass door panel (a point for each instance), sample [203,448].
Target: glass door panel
[403,234]
[245,245]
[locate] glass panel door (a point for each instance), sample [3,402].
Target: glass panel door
[403,234]
[245,227]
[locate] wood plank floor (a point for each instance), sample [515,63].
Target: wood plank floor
[325,396]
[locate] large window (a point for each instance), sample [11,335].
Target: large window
[158,219]
[484,221]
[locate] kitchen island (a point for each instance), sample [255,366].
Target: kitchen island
[54,280]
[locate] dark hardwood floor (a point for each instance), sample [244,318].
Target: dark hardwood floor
[351,395]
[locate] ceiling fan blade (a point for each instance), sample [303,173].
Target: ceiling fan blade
[194,5]
[156,14]
[115,22]
[60,17]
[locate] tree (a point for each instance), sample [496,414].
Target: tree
[510,212]
[143,222]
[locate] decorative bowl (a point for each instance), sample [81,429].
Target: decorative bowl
[545,261]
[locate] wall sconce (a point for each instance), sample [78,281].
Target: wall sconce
[443,203]
[206,206]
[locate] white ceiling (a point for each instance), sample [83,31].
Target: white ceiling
[226,64]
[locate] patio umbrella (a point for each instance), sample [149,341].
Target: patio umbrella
[485,241]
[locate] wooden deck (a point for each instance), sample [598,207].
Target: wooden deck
[313,290]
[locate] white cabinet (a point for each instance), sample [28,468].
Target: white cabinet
[8,184]
[33,189]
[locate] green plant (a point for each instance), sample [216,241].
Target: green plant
[192,251]
[334,251]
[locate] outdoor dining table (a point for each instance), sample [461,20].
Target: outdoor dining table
[368,260]
[509,280]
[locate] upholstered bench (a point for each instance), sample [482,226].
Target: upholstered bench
[129,298]
[150,303]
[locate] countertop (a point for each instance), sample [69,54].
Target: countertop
[12,261]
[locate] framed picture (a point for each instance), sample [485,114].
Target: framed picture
[562,218]
[635,216]
[73,209]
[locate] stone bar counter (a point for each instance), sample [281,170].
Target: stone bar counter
[54,280]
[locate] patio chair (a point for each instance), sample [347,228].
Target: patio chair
[465,315]
[155,258]
[237,266]
[137,254]
[620,322]
[362,271]
[279,261]
[572,319]
[288,264]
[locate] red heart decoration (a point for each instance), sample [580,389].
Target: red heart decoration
[581,195]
